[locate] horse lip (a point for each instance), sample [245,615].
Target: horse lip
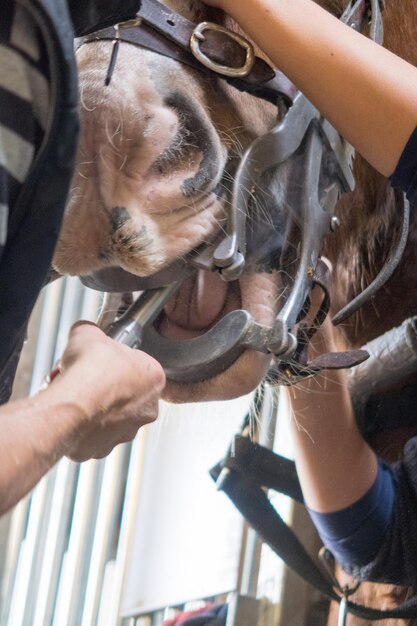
[116,279]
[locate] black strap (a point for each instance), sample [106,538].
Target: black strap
[242,475]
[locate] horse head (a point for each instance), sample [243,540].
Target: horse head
[158,153]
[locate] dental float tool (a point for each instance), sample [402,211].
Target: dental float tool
[128,329]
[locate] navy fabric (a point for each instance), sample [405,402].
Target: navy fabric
[356,532]
[24,100]
[396,561]
[405,174]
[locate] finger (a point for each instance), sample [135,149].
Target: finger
[84,327]
[115,428]
[150,378]
[145,412]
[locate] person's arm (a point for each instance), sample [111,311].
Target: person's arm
[335,465]
[351,496]
[102,396]
[368,93]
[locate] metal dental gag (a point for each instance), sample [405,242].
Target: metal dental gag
[326,167]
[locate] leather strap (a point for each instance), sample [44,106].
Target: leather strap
[242,475]
[290,372]
[165,32]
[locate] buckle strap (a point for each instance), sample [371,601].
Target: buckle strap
[255,507]
[239,484]
[300,367]
[166,32]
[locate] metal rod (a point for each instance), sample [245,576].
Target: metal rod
[127,524]
[55,542]
[129,328]
[107,517]
[72,580]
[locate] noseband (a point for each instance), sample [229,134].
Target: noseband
[326,166]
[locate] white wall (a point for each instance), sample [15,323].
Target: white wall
[188,536]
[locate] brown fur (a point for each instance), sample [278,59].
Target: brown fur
[369,218]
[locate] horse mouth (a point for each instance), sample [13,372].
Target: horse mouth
[202,300]
[198,308]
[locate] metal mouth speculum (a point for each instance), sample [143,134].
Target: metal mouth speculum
[306,143]
[326,166]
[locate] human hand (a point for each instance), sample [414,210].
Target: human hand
[116,388]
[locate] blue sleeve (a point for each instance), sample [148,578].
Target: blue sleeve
[355,534]
[405,174]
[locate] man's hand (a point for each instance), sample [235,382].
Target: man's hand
[116,389]
[101,394]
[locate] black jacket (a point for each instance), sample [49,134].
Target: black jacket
[36,217]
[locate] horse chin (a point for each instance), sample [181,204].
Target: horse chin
[246,373]
[254,293]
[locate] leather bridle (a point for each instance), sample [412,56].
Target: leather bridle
[207,47]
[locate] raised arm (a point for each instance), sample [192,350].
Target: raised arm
[102,396]
[368,93]
[335,465]
[350,494]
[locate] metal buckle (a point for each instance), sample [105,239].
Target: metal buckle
[329,562]
[198,36]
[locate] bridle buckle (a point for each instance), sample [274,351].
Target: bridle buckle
[198,36]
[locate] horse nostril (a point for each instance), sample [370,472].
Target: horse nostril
[119,215]
[126,236]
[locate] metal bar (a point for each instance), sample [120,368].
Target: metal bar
[72,579]
[14,543]
[61,505]
[47,333]
[107,596]
[127,524]
[107,517]
[23,579]
[72,304]
[253,544]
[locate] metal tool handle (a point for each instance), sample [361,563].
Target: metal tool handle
[128,329]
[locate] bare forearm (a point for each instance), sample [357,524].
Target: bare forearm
[101,395]
[335,465]
[369,94]
[35,433]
